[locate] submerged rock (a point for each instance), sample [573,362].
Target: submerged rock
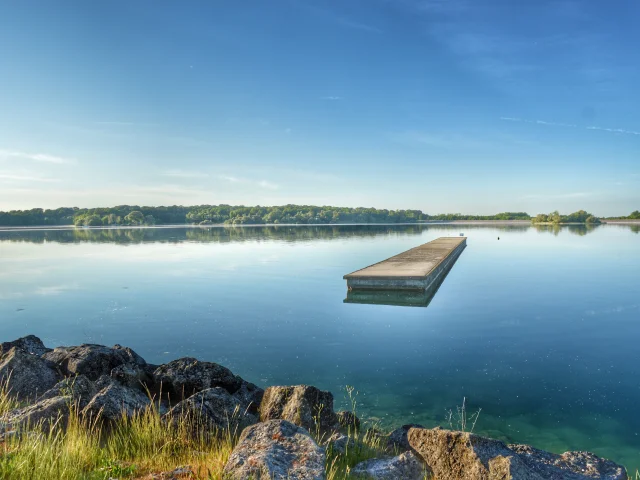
[406,466]
[92,360]
[276,450]
[214,407]
[460,455]
[30,344]
[302,405]
[27,375]
[183,377]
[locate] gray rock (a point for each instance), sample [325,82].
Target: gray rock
[30,344]
[461,455]
[115,400]
[398,438]
[569,465]
[348,420]
[92,360]
[216,408]
[250,397]
[406,466]
[27,375]
[43,414]
[79,388]
[340,443]
[183,377]
[276,450]
[133,375]
[302,405]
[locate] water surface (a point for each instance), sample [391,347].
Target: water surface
[539,328]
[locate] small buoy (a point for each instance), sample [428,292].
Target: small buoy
[498,238]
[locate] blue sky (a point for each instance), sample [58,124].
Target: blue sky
[443,105]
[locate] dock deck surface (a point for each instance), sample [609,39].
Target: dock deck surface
[420,264]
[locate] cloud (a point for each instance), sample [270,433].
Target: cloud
[183,174]
[13,177]
[570,125]
[332,98]
[37,157]
[260,183]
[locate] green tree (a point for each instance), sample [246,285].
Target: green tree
[135,218]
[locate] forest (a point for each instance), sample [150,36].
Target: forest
[135,215]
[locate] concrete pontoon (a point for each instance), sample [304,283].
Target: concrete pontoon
[415,269]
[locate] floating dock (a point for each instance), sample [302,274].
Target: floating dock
[416,269]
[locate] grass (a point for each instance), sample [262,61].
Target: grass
[136,446]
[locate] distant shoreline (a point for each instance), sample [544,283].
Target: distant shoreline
[218,225]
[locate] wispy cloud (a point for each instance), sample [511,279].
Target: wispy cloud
[183,174]
[332,98]
[12,177]
[36,157]
[126,124]
[260,183]
[570,125]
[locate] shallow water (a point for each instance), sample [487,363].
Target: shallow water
[539,329]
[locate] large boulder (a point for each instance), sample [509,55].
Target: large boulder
[461,455]
[114,401]
[569,465]
[397,440]
[79,388]
[30,344]
[136,376]
[183,377]
[27,375]
[43,414]
[92,360]
[214,408]
[250,396]
[302,405]
[276,450]
[406,466]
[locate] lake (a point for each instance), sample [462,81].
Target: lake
[538,328]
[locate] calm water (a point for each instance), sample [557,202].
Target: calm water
[540,329]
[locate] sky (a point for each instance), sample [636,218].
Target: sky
[471,106]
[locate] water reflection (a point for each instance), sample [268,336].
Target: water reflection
[287,233]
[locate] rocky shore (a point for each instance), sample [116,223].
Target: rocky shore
[284,432]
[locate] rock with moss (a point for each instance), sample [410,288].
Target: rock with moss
[79,388]
[406,466]
[455,455]
[276,450]
[27,375]
[303,405]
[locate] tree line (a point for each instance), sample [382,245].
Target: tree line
[241,215]
[581,216]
